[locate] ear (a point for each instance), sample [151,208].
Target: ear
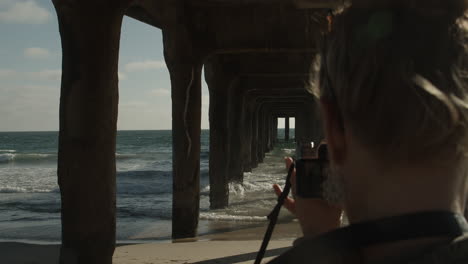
[334,131]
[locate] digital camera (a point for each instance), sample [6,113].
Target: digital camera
[310,171]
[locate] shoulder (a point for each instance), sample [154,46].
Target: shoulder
[312,250]
[317,251]
[455,252]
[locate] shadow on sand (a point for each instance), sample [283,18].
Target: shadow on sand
[244,257]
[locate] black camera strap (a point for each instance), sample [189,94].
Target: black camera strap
[273,216]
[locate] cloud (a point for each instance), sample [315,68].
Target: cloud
[144,115]
[122,76]
[23,12]
[6,73]
[6,3]
[36,53]
[29,107]
[46,75]
[159,92]
[43,75]
[145,65]
[133,104]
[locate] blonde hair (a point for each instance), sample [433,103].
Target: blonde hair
[398,75]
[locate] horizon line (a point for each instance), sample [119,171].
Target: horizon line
[119,130]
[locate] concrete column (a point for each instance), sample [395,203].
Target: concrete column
[271,138]
[265,132]
[236,171]
[247,135]
[275,129]
[268,130]
[184,64]
[255,133]
[286,128]
[299,130]
[90,34]
[220,134]
[261,135]
[295,129]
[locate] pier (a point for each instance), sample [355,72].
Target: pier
[256,56]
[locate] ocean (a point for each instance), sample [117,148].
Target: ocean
[30,198]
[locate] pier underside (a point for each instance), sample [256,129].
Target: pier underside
[257,56]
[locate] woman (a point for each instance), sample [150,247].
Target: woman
[392,83]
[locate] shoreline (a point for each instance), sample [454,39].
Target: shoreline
[284,230]
[237,246]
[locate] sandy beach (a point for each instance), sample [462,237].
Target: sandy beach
[239,246]
[202,252]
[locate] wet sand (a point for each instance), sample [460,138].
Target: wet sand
[238,246]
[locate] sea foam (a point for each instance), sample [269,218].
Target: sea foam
[17,189]
[5,158]
[8,150]
[228,217]
[26,157]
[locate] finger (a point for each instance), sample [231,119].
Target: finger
[292,180]
[278,189]
[288,161]
[289,203]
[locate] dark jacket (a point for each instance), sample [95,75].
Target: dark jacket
[313,251]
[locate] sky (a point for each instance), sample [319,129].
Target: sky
[30,72]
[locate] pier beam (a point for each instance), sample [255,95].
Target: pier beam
[247,135]
[185,65]
[261,134]
[236,117]
[286,128]
[218,82]
[295,130]
[255,136]
[268,131]
[268,127]
[88,124]
[275,130]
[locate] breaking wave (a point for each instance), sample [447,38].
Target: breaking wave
[8,150]
[15,189]
[228,217]
[26,158]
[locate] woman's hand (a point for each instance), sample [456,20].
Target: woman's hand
[316,216]
[289,203]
